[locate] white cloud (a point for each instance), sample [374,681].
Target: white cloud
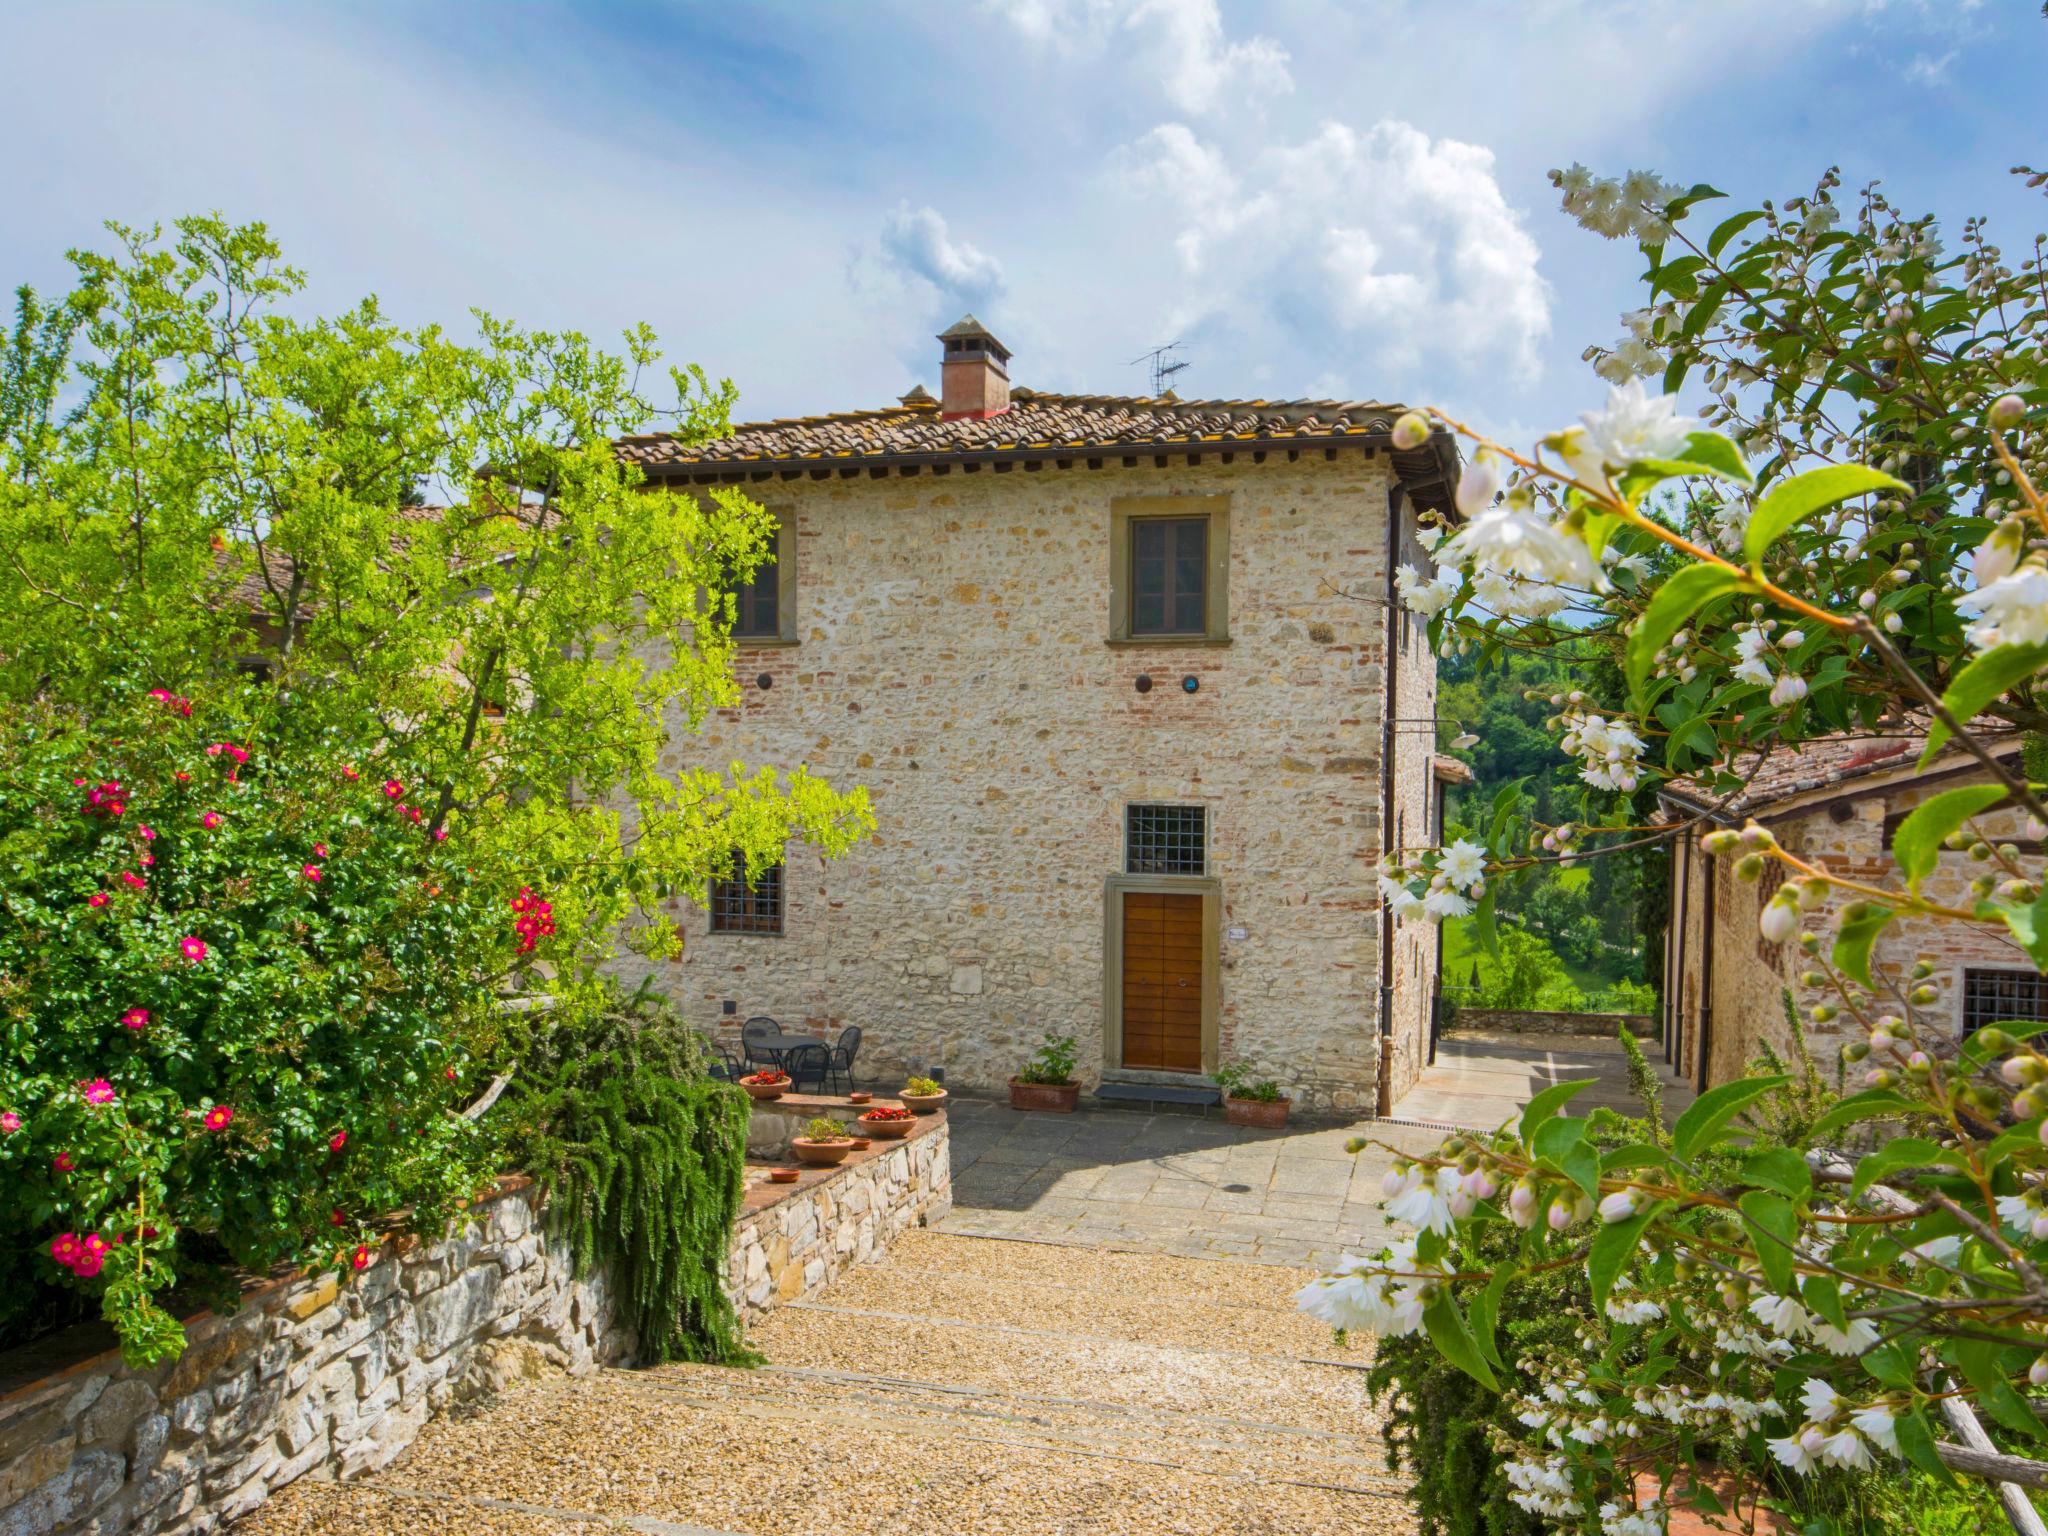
[1931,69]
[1177,47]
[918,242]
[1373,251]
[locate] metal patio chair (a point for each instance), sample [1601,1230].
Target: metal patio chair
[839,1060]
[760,1027]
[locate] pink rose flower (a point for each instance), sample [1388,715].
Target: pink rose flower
[147,832]
[134,881]
[96,899]
[97,1091]
[337,1141]
[217,1118]
[440,834]
[192,948]
[311,871]
[10,1122]
[65,1248]
[88,1265]
[394,789]
[319,850]
[62,1162]
[136,1018]
[361,1259]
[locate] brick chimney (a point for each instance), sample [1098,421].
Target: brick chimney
[974,376]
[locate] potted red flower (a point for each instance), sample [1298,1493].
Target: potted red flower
[1047,1081]
[887,1120]
[823,1143]
[769,1083]
[1251,1101]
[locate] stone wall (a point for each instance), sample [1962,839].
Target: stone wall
[953,656]
[312,1372]
[1529,1021]
[1845,834]
[796,1239]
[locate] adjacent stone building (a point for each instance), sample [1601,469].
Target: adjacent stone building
[1124,679]
[1837,802]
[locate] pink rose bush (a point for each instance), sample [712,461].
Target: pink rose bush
[312,966]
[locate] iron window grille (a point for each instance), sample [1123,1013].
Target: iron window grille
[739,905]
[1993,997]
[1166,840]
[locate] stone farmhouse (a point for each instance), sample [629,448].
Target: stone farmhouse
[1138,713]
[1837,801]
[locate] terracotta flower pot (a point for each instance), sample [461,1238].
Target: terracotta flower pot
[821,1154]
[887,1129]
[1262,1114]
[765,1092]
[861,1143]
[1054,1098]
[922,1103]
[860,1097]
[784,1175]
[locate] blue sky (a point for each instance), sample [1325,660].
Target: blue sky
[1314,198]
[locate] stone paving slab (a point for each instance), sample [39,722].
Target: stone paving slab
[1480,1081]
[1169,1183]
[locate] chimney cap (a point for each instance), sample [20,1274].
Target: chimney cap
[917,395]
[967,328]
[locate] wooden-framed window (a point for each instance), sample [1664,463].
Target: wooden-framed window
[743,905]
[1169,576]
[764,605]
[1169,570]
[1998,997]
[1166,840]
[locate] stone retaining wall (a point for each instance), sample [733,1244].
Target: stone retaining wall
[1529,1021]
[337,1375]
[796,1239]
[311,1372]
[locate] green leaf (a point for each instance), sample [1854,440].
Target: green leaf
[1695,735]
[1582,1166]
[2029,925]
[1903,1152]
[1916,846]
[1916,1444]
[1454,1341]
[1688,591]
[1772,1225]
[1803,495]
[1637,1154]
[1891,1364]
[1484,924]
[1729,228]
[1779,1168]
[1978,1360]
[1823,1297]
[1613,1246]
[1548,1103]
[1862,1106]
[1704,1117]
[1557,1137]
[1982,682]
[1718,456]
[1485,1313]
[1852,944]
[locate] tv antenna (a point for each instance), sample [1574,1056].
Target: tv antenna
[1164,366]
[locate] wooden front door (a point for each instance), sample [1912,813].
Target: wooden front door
[1162,1003]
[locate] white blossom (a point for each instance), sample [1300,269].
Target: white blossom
[1792,1452]
[1445,903]
[1514,539]
[1781,1314]
[1478,483]
[1426,1203]
[1880,1424]
[2013,610]
[1858,1336]
[1463,863]
[1634,426]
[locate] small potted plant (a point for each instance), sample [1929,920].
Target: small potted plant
[767,1084]
[1047,1081]
[887,1120]
[823,1143]
[921,1095]
[1249,1100]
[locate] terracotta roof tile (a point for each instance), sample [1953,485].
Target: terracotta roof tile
[1825,762]
[1038,423]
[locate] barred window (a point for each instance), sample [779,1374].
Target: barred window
[1166,840]
[740,905]
[1997,997]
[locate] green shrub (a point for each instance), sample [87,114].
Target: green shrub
[923,1087]
[642,1156]
[1053,1063]
[825,1128]
[1236,1080]
[242,988]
